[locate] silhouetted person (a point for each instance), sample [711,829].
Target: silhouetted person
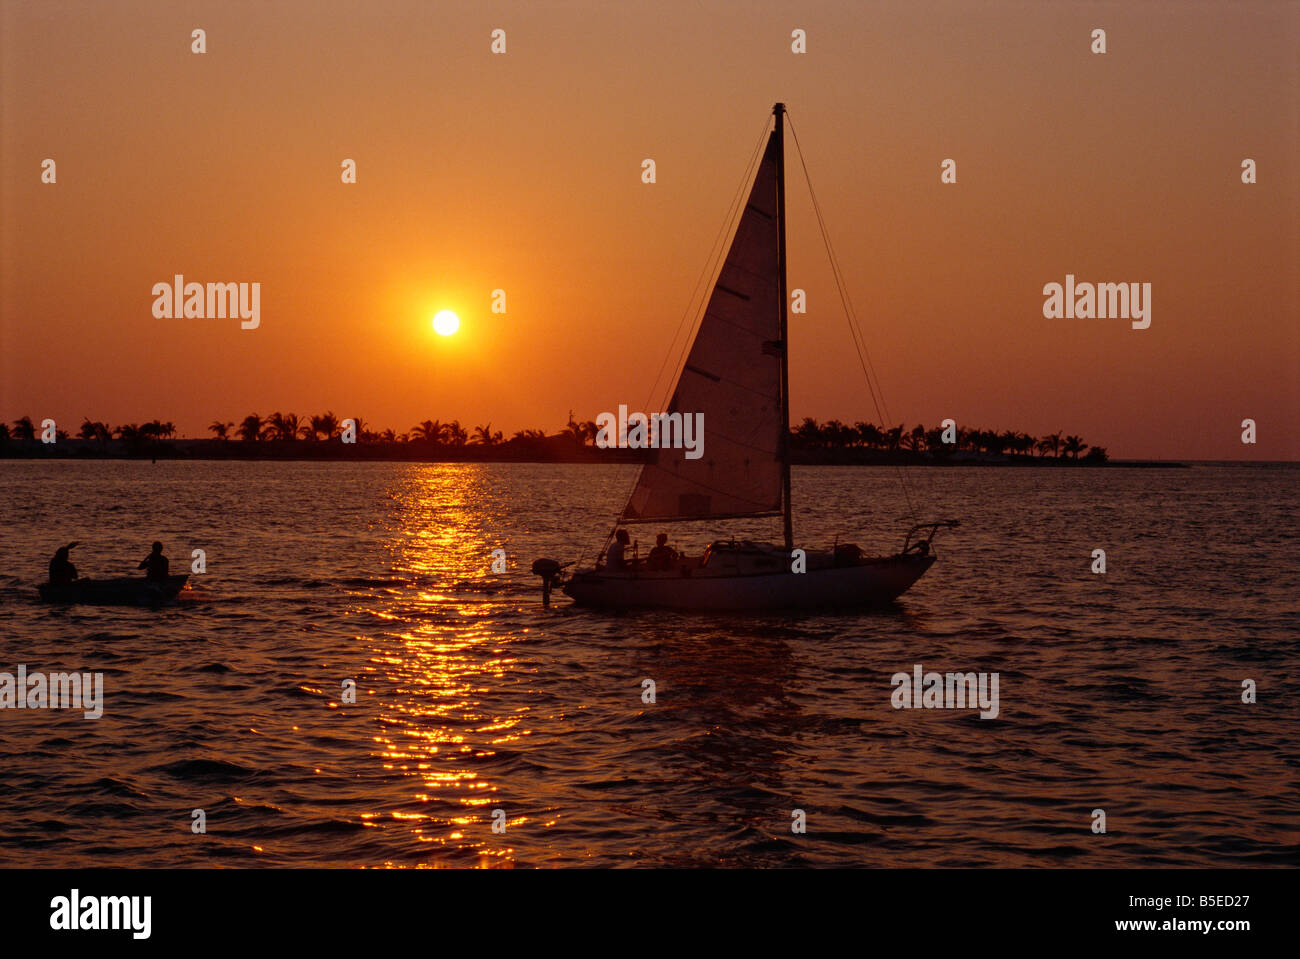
[155,564]
[662,556]
[62,572]
[616,555]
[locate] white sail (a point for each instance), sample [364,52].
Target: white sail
[733,376]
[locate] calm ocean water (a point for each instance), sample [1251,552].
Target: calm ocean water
[1119,691]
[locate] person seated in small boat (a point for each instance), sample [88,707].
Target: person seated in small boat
[663,556]
[616,555]
[62,572]
[155,564]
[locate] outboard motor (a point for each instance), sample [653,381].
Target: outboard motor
[552,574]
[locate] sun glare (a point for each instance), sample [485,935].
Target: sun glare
[446,322]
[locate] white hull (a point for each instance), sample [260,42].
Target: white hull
[872,582]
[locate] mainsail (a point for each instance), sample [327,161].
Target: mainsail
[733,376]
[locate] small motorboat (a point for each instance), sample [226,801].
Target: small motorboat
[119,591]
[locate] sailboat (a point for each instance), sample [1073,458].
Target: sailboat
[737,375]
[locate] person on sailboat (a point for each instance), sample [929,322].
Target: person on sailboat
[62,572]
[616,555]
[662,556]
[155,564]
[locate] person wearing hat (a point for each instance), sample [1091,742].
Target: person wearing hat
[62,572]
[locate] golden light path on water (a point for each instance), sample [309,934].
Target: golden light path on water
[1120,692]
[440,729]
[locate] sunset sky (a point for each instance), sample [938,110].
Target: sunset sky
[522,172]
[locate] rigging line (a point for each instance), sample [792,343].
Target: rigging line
[859,339]
[717,252]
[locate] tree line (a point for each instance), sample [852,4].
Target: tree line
[25,429]
[290,427]
[809,435]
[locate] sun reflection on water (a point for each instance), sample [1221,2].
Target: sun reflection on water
[440,670]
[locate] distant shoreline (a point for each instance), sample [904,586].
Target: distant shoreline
[551,450]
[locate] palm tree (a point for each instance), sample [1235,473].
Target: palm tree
[388,436]
[1021,443]
[869,435]
[455,433]
[24,428]
[220,430]
[250,428]
[483,436]
[894,437]
[326,425]
[1051,443]
[274,427]
[577,431]
[428,431]
[915,440]
[87,431]
[837,434]
[283,426]
[808,433]
[1074,445]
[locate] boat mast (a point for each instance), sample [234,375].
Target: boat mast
[779,111]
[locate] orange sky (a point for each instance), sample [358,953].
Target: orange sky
[522,172]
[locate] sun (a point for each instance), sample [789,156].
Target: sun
[446,322]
